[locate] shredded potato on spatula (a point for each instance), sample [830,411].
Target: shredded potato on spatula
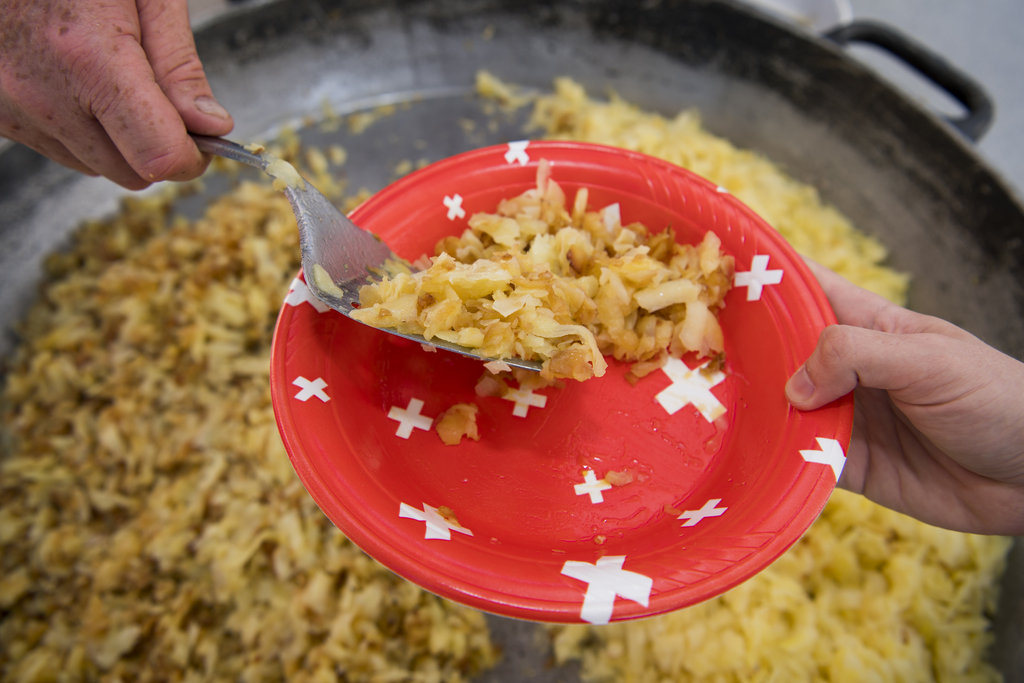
[539,281]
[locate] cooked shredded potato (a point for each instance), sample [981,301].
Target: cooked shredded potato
[539,281]
[284,173]
[506,94]
[152,527]
[457,422]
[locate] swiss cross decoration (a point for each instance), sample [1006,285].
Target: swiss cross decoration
[436,526]
[517,152]
[757,277]
[409,418]
[299,293]
[310,388]
[691,387]
[829,452]
[454,206]
[592,487]
[524,400]
[606,580]
[709,509]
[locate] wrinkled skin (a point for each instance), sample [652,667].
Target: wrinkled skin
[939,416]
[107,87]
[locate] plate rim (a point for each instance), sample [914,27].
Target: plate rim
[480,595]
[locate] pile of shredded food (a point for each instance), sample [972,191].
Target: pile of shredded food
[151,526]
[538,281]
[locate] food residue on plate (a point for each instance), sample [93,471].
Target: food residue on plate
[619,478]
[448,515]
[457,422]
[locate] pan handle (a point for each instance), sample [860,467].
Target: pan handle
[935,68]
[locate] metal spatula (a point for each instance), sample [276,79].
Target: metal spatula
[349,255]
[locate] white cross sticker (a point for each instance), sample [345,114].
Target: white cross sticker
[525,400]
[517,152]
[311,389]
[454,205]
[299,293]
[592,487]
[691,386]
[709,510]
[607,579]
[757,277]
[410,417]
[437,526]
[831,454]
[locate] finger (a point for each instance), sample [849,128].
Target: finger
[911,366]
[58,152]
[852,304]
[93,147]
[140,120]
[73,138]
[169,45]
[859,307]
[47,146]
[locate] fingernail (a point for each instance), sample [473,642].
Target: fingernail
[799,388]
[208,105]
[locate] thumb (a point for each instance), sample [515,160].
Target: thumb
[848,356]
[171,50]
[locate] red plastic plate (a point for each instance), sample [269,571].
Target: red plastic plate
[713,501]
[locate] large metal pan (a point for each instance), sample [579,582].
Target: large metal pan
[900,172]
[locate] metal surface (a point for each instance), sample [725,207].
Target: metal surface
[349,255]
[900,172]
[327,238]
[985,44]
[980,110]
